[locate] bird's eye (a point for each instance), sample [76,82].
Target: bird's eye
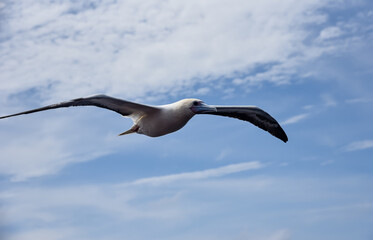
[195,103]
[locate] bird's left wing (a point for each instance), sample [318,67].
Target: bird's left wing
[120,106]
[255,115]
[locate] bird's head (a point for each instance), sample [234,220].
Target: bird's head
[191,106]
[198,106]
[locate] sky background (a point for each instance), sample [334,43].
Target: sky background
[65,174]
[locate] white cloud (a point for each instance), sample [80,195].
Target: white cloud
[34,146]
[359,100]
[330,32]
[40,207]
[216,172]
[202,91]
[359,145]
[224,153]
[308,107]
[51,234]
[119,48]
[111,211]
[295,119]
[329,100]
[283,234]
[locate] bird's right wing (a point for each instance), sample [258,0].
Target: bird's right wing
[255,115]
[123,107]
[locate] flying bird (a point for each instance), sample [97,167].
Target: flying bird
[155,121]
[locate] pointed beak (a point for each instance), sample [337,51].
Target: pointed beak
[203,108]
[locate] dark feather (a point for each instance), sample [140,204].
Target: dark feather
[122,107]
[255,115]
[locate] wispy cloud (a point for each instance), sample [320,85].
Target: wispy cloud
[215,172]
[327,162]
[224,153]
[359,100]
[330,32]
[328,100]
[47,233]
[359,145]
[119,48]
[56,141]
[164,209]
[295,119]
[283,234]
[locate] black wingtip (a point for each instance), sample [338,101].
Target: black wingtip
[278,132]
[281,135]
[8,116]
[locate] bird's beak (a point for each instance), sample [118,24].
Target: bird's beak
[203,108]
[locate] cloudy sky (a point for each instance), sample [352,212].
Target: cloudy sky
[65,174]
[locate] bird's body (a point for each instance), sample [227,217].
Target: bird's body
[155,121]
[163,120]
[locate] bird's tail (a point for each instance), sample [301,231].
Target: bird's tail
[133,129]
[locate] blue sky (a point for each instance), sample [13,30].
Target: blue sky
[65,174]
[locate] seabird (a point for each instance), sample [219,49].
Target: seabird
[155,121]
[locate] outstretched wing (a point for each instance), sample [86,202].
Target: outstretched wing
[255,115]
[122,107]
